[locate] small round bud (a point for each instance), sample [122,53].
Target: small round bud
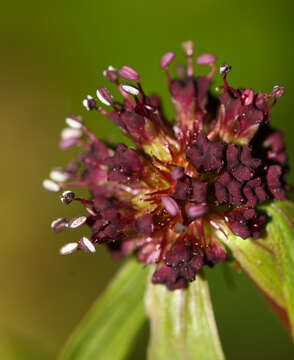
[177,173]
[58,175]
[77,222]
[68,248]
[130,89]
[278,91]
[170,205]
[87,245]
[128,73]
[111,74]
[89,103]
[188,47]
[58,224]
[69,133]
[104,96]
[224,69]
[67,197]
[50,185]
[166,59]
[205,59]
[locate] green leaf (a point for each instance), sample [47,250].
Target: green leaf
[257,259]
[281,230]
[182,323]
[269,261]
[108,330]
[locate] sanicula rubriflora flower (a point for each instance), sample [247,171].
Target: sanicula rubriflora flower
[163,198]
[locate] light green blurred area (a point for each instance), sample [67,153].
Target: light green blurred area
[52,55]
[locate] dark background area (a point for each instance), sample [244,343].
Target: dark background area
[52,55]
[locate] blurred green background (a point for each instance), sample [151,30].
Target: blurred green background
[52,55]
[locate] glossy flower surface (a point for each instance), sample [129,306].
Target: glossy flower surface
[164,198]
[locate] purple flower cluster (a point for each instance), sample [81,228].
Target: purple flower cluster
[165,198]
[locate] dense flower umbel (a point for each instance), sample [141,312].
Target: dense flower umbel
[164,198]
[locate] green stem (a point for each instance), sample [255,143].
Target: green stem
[182,323]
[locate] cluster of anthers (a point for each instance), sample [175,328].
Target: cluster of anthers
[164,198]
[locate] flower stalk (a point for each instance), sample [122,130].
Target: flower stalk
[182,323]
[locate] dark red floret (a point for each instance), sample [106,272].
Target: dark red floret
[205,155]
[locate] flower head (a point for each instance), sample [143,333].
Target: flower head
[164,198]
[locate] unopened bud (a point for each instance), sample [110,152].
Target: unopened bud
[247,97]
[170,205]
[194,211]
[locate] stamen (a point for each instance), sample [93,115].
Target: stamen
[67,197]
[89,103]
[130,89]
[205,59]
[278,91]
[69,133]
[58,175]
[128,73]
[111,74]
[87,245]
[104,96]
[77,222]
[224,69]
[170,205]
[129,105]
[188,47]
[67,143]
[166,59]
[68,248]
[74,122]
[50,185]
[58,225]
